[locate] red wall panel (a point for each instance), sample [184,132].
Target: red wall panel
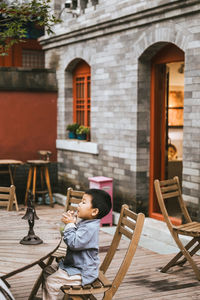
[28,122]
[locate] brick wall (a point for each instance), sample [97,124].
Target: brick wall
[118,40]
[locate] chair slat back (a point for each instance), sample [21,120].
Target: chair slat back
[129,225]
[73,199]
[7,194]
[167,189]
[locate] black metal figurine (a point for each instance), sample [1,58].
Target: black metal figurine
[30,215]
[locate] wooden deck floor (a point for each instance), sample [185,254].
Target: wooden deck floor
[143,280]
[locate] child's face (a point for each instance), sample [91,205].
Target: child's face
[85,210]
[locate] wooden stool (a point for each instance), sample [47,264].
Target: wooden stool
[42,166]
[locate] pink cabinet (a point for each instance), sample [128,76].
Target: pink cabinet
[106,184]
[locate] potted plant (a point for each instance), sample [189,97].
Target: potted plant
[72,130]
[82,132]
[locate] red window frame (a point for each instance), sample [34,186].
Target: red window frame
[14,57]
[82,94]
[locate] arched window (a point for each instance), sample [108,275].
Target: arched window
[81,94]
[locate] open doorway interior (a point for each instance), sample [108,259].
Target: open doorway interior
[174,126]
[174,117]
[166,134]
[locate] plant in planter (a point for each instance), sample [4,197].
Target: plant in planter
[82,132]
[72,130]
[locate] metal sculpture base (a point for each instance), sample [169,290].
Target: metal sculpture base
[31,239]
[30,215]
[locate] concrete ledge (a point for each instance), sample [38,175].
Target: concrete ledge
[78,146]
[23,79]
[155,236]
[60,199]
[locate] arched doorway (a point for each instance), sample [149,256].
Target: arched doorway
[166,135]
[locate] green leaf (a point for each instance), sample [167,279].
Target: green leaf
[16,15]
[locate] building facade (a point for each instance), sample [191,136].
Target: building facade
[144,100]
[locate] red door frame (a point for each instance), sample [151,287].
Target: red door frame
[168,54]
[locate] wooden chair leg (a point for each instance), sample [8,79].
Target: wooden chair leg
[185,252]
[28,185]
[108,295]
[34,182]
[196,248]
[172,262]
[15,202]
[82,297]
[39,280]
[175,261]
[12,183]
[192,252]
[70,297]
[189,258]
[48,185]
[90,297]
[11,198]
[11,176]
[42,182]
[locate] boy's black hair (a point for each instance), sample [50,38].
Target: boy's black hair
[100,200]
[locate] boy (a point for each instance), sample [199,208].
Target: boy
[80,265]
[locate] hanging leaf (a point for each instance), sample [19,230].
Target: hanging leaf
[16,17]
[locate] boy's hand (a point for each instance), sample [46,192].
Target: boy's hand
[69,217]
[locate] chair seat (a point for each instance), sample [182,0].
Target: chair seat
[191,229]
[100,285]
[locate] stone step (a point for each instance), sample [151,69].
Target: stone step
[155,236]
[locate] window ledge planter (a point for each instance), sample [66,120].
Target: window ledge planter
[78,146]
[72,135]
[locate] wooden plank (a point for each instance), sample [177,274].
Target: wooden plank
[128,223]
[4,190]
[143,280]
[171,195]
[4,196]
[167,182]
[15,257]
[124,231]
[189,226]
[75,200]
[77,193]
[168,188]
[130,214]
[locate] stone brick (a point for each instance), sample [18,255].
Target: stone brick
[118,40]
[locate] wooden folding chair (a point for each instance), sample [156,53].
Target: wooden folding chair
[169,189]
[74,197]
[8,197]
[129,225]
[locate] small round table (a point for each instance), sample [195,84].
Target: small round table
[8,163]
[16,257]
[42,166]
